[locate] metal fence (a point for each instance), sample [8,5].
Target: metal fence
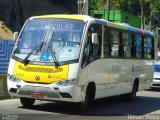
[6,47]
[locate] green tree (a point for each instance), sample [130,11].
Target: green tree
[150,7]
[94,4]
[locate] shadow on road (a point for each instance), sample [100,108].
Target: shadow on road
[112,106]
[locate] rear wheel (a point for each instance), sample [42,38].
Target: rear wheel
[27,102]
[131,96]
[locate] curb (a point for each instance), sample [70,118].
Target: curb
[5,97]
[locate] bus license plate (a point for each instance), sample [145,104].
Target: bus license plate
[37,95]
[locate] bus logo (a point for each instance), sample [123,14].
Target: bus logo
[49,76]
[37,78]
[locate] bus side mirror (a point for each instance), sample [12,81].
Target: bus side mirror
[15,36]
[94,38]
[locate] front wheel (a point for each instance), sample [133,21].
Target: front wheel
[27,102]
[86,102]
[89,97]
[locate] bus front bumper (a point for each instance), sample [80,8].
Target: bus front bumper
[69,93]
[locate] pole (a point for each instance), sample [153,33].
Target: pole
[157,36]
[85,12]
[108,9]
[142,22]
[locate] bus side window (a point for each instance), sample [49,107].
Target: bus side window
[114,43]
[147,47]
[127,40]
[95,49]
[121,45]
[138,40]
[107,42]
[92,51]
[133,46]
[85,58]
[152,50]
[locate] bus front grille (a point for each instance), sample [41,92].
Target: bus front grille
[40,69]
[28,90]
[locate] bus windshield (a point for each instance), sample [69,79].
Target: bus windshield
[50,41]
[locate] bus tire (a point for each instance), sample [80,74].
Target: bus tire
[89,97]
[27,102]
[131,96]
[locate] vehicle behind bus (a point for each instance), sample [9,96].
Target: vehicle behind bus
[156,78]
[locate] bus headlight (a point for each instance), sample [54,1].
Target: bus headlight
[13,78]
[67,82]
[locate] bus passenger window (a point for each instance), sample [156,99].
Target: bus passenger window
[147,47]
[138,46]
[107,42]
[133,46]
[115,43]
[127,40]
[121,45]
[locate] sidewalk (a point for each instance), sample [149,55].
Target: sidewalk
[3,87]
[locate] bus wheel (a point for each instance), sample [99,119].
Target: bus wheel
[131,96]
[89,97]
[27,102]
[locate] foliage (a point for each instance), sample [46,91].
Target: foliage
[150,7]
[94,4]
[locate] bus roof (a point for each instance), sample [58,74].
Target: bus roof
[123,26]
[63,16]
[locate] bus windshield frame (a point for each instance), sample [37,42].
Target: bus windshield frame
[57,40]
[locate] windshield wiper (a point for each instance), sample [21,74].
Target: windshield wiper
[53,54]
[25,60]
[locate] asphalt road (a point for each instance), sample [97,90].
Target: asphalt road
[147,102]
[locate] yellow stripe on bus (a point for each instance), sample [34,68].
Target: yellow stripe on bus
[41,73]
[76,17]
[109,76]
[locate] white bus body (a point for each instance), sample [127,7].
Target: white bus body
[77,73]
